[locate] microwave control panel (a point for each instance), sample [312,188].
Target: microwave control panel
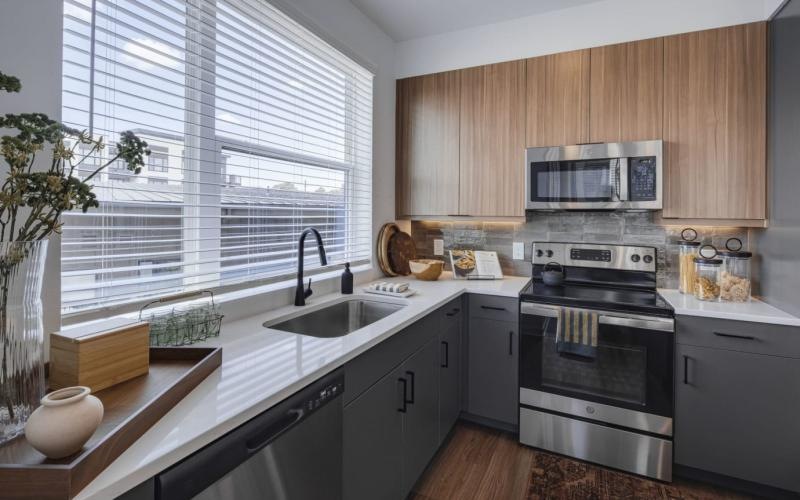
[642,178]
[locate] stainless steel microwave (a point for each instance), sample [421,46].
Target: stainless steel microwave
[614,176]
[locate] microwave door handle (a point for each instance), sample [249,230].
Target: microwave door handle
[622,179]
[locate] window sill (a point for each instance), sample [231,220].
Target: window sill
[240,303]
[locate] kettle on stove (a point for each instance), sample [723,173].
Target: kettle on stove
[553,274]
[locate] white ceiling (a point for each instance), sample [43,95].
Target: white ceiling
[408,19]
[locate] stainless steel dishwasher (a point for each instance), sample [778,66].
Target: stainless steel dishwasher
[290,452]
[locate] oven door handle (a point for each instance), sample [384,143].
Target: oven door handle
[627,320]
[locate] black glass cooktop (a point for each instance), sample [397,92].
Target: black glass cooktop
[596,297]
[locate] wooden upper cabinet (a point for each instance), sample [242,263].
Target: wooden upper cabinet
[715,123]
[626,91]
[558,99]
[492,140]
[427,169]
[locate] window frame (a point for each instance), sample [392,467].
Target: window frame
[196,137]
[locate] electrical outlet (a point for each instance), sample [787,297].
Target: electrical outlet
[519,250]
[438,247]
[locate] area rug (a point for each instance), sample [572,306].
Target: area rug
[555,477]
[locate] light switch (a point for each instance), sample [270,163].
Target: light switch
[519,250]
[438,247]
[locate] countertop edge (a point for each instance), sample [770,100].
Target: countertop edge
[761,312]
[201,438]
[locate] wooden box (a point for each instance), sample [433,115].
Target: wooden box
[101,356]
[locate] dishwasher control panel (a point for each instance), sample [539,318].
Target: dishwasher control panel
[325,393]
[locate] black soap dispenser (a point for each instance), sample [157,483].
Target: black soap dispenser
[347,279]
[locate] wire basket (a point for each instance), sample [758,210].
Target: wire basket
[182,324]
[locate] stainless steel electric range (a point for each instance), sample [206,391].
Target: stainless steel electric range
[614,408]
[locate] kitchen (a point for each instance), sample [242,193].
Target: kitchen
[444,250]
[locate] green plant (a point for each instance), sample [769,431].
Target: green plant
[31,202]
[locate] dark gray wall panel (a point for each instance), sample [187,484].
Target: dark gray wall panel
[778,246]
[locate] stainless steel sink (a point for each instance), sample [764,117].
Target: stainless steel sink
[338,319]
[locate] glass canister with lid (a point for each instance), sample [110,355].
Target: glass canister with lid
[735,280]
[687,251]
[707,274]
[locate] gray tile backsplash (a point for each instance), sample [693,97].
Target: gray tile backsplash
[633,228]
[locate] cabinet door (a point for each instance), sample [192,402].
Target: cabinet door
[373,441]
[736,415]
[449,376]
[558,99]
[492,140]
[627,91]
[493,360]
[715,123]
[421,421]
[427,144]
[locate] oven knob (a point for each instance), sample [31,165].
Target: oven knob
[635,257]
[549,253]
[590,410]
[648,259]
[539,253]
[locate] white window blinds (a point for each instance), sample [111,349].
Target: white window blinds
[258,129]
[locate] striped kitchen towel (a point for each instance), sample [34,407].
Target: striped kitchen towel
[577,332]
[385,286]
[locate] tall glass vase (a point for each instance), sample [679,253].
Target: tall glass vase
[22,382]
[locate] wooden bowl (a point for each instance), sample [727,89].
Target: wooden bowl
[426,269]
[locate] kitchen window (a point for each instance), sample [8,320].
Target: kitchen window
[258,129]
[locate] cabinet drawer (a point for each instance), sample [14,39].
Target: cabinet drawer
[450,313]
[496,308]
[759,338]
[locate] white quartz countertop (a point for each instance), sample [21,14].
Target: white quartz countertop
[755,311]
[261,367]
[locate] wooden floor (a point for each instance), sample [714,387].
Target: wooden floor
[481,463]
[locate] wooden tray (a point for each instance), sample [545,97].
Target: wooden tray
[131,408]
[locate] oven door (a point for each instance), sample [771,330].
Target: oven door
[629,383]
[577,184]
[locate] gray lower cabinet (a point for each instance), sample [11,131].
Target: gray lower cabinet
[737,412]
[421,420]
[492,371]
[449,378]
[391,430]
[373,441]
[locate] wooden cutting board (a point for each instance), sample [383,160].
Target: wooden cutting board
[401,250]
[382,247]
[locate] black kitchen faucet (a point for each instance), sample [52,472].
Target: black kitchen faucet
[301,294]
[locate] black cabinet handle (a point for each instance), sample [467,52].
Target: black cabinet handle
[511,343]
[446,363]
[686,369]
[403,401]
[492,308]
[411,376]
[734,336]
[450,315]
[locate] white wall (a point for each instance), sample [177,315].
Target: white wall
[590,25]
[30,49]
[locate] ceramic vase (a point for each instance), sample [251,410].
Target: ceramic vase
[64,423]
[21,334]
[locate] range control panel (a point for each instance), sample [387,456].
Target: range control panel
[590,254]
[622,257]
